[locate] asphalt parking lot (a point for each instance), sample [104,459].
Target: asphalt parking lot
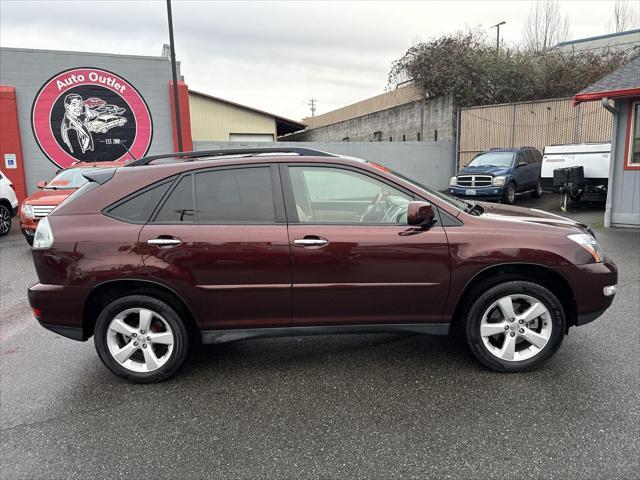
[371,406]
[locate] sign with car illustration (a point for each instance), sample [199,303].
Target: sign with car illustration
[90,115]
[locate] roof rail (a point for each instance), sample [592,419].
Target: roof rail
[302,151]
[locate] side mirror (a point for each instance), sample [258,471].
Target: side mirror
[522,164]
[420,214]
[41,184]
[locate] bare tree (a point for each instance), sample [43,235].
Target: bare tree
[545,27]
[625,16]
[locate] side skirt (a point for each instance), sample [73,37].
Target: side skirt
[232,335]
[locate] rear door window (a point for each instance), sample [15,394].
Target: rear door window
[235,195]
[178,208]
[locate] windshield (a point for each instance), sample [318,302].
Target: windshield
[68,179]
[454,202]
[493,159]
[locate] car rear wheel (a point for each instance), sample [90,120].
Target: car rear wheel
[510,194]
[5,220]
[515,326]
[537,193]
[141,338]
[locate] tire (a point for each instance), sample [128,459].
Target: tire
[136,363]
[5,220]
[510,195]
[537,193]
[485,316]
[28,238]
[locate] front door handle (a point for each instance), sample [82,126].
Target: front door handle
[164,242]
[311,241]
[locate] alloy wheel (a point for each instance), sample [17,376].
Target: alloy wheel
[140,340]
[516,327]
[5,220]
[511,193]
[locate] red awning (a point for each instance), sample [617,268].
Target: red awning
[589,97]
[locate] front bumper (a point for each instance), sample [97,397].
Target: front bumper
[479,192]
[28,225]
[587,282]
[60,308]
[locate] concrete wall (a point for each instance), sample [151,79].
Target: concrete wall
[392,98]
[625,191]
[392,123]
[430,163]
[27,70]
[213,120]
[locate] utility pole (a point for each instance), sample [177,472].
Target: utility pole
[497,27]
[312,104]
[174,73]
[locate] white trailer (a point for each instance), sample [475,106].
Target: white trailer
[592,157]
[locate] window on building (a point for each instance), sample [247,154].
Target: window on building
[345,139]
[178,207]
[633,154]
[235,195]
[377,136]
[404,137]
[391,139]
[418,136]
[435,135]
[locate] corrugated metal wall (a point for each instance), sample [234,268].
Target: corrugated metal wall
[212,120]
[535,124]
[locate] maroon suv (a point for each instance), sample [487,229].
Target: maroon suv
[227,245]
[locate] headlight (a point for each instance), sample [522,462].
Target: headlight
[27,210]
[43,238]
[453,182]
[499,181]
[589,243]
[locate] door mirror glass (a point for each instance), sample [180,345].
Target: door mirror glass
[41,184]
[420,213]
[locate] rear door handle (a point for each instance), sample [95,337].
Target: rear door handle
[311,242]
[164,242]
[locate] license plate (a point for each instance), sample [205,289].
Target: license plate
[470,191]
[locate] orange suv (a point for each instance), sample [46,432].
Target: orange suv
[50,195]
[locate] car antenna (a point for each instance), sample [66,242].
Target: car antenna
[128,151]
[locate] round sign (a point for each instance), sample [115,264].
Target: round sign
[90,115]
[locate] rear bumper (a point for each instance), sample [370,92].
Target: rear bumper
[61,308]
[588,282]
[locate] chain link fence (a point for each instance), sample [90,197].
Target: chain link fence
[535,124]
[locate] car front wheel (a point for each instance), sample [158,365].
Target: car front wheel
[141,338]
[515,326]
[510,194]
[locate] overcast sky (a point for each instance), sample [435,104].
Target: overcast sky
[274,55]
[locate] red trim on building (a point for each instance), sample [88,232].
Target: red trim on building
[627,143]
[10,140]
[185,117]
[589,97]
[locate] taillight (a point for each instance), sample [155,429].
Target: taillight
[43,237]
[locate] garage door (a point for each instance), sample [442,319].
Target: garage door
[251,137]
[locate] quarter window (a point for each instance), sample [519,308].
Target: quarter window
[335,195]
[139,207]
[178,208]
[235,195]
